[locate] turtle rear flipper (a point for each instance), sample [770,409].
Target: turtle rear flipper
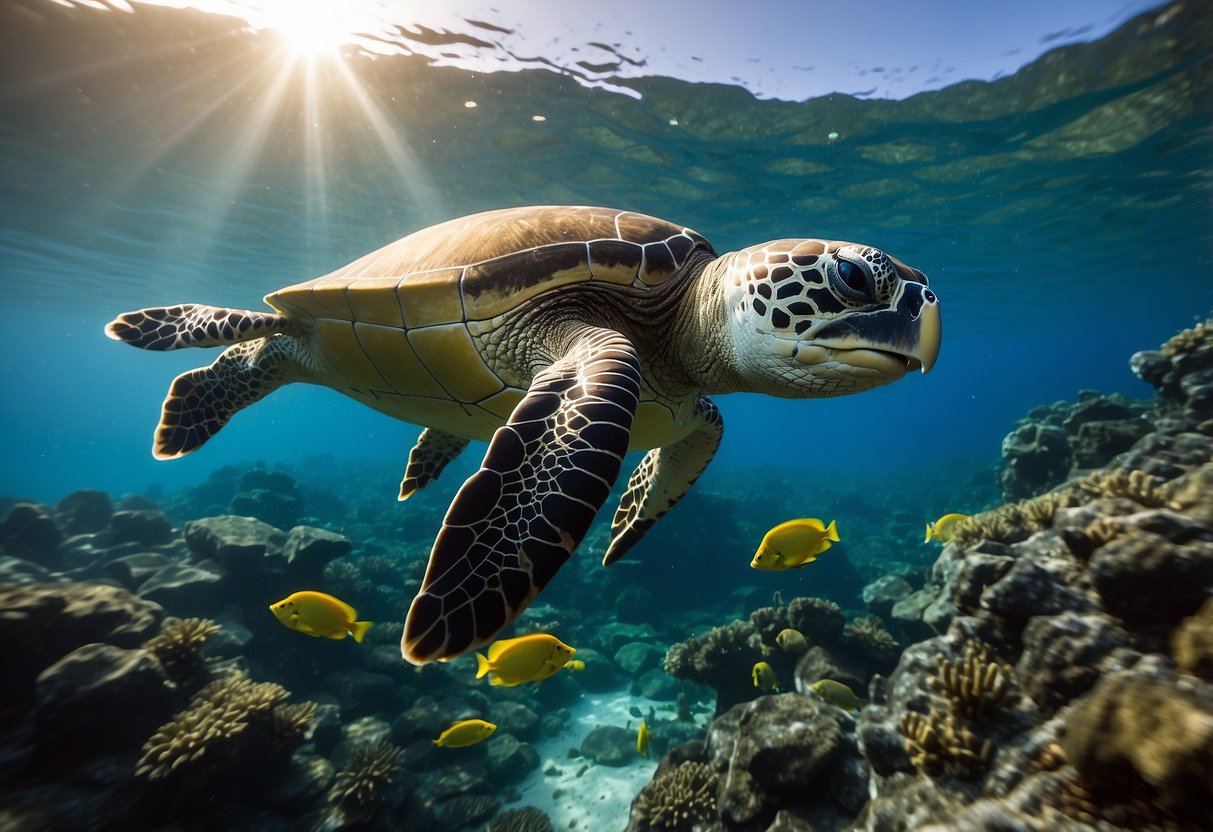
[515,522]
[193,325]
[201,401]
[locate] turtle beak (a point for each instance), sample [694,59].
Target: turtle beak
[930,333]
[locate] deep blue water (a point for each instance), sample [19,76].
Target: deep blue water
[1062,215]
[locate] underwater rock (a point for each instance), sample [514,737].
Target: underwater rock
[657,685]
[458,779]
[615,634]
[308,550]
[777,751]
[425,719]
[1096,443]
[84,511]
[146,527]
[1144,578]
[1192,643]
[280,510]
[1145,732]
[1038,457]
[18,571]
[883,593]
[240,544]
[513,718]
[29,531]
[132,570]
[184,590]
[41,623]
[99,699]
[304,784]
[509,759]
[609,745]
[600,673]
[819,663]
[465,810]
[1064,655]
[636,605]
[360,693]
[636,657]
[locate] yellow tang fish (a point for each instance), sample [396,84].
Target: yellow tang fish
[764,676]
[576,665]
[944,529]
[319,614]
[529,658]
[793,641]
[465,732]
[837,694]
[794,543]
[642,739]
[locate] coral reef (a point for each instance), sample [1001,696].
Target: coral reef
[936,742]
[524,819]
[370,781]
[676,800]
[179,645]
[231,728]
[975,685]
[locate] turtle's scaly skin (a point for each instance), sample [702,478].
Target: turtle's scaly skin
[565,336]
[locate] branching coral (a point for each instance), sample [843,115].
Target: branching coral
[1135,485]
[678,799]
[974,684]
[936,743]
[229,719]
[366,783]
[179,646]
[1015,521]
[525,819]
[870,633]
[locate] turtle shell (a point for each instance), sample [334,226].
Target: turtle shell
[397,329]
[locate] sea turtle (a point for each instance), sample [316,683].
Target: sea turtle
[565,336]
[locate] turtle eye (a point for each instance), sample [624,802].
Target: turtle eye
[853,280]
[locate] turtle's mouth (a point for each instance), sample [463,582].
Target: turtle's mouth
[885,362]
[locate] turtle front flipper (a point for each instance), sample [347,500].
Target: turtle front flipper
[516,521]
[193,325]
[662,478]
[433,451]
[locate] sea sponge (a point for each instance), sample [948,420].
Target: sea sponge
[230,720]
[1136,485]
[936,742]
[871,635]
[179,646]
[524,819]
[975,685]
[678,799]
[370,779]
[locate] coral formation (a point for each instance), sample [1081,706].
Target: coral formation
[1135,485]
[367,781]
[230,720]
[179,644]
[935,742]
[523,819]
[974,684]
[871,634]
[678,799]
[1192,643]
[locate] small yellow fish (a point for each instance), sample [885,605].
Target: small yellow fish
[319,614]
[529,658]
[764,677]
[837,694]
[793,641]
[944,529]
[576,665]
[794,543]
[465,732]
[642,739]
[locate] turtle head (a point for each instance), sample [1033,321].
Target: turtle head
[818,318]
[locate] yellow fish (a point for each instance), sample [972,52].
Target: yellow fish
[465,732]
[764,677]
[319,614]
[943,529]
[794,543]
[793,641]
[837,694]
[576,665]
[529,658]
[642,739]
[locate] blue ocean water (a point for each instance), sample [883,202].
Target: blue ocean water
[1061,214]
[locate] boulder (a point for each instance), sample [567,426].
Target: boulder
[609,745]
[28,531]
[84,511]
